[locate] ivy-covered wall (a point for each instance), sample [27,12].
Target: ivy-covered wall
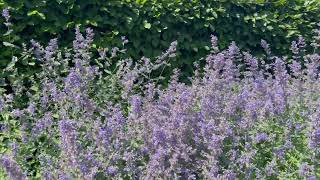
[151,25]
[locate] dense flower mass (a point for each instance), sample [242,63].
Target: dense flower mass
[241,117]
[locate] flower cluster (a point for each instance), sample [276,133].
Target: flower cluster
[240,118]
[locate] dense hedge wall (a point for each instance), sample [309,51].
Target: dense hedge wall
[152,25]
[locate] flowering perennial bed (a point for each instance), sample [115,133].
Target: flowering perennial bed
[242,117]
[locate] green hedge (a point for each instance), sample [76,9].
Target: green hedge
[152,25]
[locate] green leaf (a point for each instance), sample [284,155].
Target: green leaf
[69,24]
[10,45]
[269,27]
[8,32]
[146,25]
[37,13]
[55,116]
[10,66]
[207,48]
[34,88]
[92,22]
[115,32]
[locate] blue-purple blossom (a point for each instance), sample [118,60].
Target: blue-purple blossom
[114,51]
[136,105]
[51,49]
[31,109]
[265,46]
[124,40]
[238,118]
[112,170]
[73,80]
[296,68]
[271,168]
[261,137]
[6,14]
[68,138]
[79,42]
[305,169]
[311,178]
[214,43]
[12,168]
[17,113]
[42,124]
[2,104]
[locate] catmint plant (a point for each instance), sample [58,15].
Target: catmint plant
[87,117]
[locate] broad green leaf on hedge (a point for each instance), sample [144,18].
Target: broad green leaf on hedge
[36,13]
[146,25]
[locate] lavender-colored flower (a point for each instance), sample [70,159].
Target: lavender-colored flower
[87,163]
[171,52]
[9,98]
[279,100]
[102,53]
[159,137]
[294,47]
[89,36]
[314,141]
[43,123]
[280,71]
[305,169]
[314,134]
[48,175]
[17,113]
[233,50]
[124,40]
[51,49]
[2,104]
[44,100]
[104,137]
[252,63]
[214,43]
[64,176]
[312,66]
[15,149]
[37,49]
[118,117]
[265,46]
[6,14]
[229,175]
[112,171]
[31,108]
[172,49]
[136,105]
[150,92]
[68,138]
[78,43]
[301,42]
[271,168]
[261,137]
[311,178]
[280,153]
[296,68]
[73,80]
[12,168]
